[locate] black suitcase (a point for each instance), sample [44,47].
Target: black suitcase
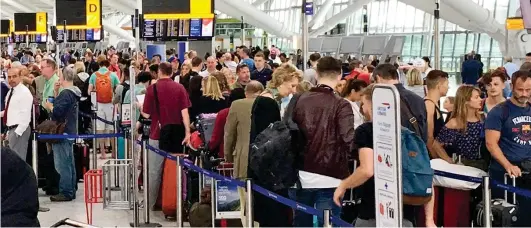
[503,213]
[82,160]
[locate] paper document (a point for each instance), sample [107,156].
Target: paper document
[140,98]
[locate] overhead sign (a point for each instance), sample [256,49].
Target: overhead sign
[180,9]
[514,23]
[387,159]
[31,23]
[84,14]
[5,26]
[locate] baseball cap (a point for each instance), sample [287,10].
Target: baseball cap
[173,59]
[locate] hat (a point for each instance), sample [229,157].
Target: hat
[173,59]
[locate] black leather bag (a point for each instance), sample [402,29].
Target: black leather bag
[171,135]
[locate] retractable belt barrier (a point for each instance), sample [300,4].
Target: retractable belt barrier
[293,204]
[97,117]
[493,183]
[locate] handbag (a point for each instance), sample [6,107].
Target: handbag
[51,127]
[171,135]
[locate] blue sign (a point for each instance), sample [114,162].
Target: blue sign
[308,8]
[195,27]
[227,203]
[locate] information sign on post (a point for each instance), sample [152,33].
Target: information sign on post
[227,201]
[126,114]
[308,8]
[387,156]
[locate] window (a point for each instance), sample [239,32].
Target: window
[447,46]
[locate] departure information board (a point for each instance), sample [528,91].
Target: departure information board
[80,35]
[180,29]
[83,20]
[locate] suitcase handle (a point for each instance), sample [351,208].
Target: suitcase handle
[513,180]
[352,189]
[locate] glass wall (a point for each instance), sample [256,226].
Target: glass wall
[395,17]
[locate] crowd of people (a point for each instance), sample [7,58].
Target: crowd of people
[487,127]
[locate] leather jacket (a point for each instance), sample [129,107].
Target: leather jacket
[326,122]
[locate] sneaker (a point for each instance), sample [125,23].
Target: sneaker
[60,198]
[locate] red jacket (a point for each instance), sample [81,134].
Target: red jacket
[218,133]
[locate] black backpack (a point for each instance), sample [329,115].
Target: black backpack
[126,88]
[274,153]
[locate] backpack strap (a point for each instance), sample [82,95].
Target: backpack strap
[288,114]
[157,105]
[409,114]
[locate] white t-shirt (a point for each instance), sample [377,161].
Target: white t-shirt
[358,116]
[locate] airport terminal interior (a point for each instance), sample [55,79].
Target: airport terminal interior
[271,113]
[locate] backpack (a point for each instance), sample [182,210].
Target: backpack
[417,174]
[126,88]
[103,87]
[200,214]
[272,157]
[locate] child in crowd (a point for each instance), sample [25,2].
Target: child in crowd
[448,105]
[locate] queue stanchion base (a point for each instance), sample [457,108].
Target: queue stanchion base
[44,209]
[146,224]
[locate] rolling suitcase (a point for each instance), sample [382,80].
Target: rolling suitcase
[349,208]
[504,212]
[82,160]
[169,188]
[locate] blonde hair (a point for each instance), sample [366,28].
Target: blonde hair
[284,73]
[414,77]
[462,97]
[79,67]
[101,58]
[186,65]
[211,88]
[304,86]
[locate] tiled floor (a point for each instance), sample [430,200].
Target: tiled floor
[76,210]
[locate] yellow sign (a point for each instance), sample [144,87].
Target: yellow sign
[198,9]
[515,23]
[93,14]
[11,26]
[42,21]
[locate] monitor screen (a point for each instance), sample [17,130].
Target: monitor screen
[4,27]
[25,19]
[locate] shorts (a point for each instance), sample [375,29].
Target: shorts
[106,112]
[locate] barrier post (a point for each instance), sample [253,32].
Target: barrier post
[213,201]
[326,219]
[179,193]
[35,151]
[486,202]
[94,143]
[115,147]
[249,205]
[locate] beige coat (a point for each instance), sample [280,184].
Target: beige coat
[237,135]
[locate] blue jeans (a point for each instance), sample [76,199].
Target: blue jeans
[320,198]
[63,155]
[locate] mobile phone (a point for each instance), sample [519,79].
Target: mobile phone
[50,99]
